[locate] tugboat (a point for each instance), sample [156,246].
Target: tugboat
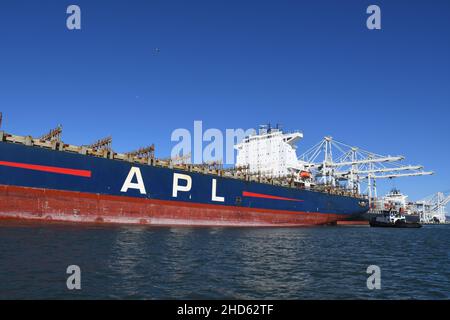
[396,201]
[392,219]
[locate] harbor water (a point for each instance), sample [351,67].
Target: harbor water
[137,262]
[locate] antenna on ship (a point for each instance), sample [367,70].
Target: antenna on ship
[102,144]
[1,118]
[53,135]
[264,128]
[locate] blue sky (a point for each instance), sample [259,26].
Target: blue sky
[310,65]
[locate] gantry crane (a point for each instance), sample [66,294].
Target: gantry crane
[336,162]
[433,208]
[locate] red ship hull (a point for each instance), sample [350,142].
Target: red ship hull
[56,205]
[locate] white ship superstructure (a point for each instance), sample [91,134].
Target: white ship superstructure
[270,153]
[394,200]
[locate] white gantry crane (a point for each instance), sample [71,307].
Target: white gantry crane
[334,163]
[432,209]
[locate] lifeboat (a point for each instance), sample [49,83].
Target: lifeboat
[305,175]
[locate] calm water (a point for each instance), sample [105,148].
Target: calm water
[195,263]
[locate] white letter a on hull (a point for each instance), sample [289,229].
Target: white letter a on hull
[139,185]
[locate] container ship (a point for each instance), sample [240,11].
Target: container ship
[49,180]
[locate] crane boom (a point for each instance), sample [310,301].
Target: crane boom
[445,201]
[412,174]
[374,160]
[380,170]
[356,162]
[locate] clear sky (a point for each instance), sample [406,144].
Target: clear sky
[310,65]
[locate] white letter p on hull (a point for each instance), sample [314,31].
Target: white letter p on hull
[176,187]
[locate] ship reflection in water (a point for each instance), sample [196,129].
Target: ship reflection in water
[141,262]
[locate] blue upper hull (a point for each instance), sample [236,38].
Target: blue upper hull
[109,176]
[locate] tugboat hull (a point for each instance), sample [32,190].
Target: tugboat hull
[374,223]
